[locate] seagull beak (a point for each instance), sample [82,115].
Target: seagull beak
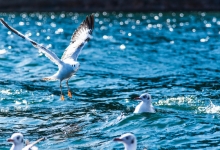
[137,98]
[118,139]
[10,140]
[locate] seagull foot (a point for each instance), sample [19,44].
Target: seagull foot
[62,97]
[69,94]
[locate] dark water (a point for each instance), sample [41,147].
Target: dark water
[173,56]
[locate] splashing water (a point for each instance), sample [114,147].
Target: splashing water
[210,109]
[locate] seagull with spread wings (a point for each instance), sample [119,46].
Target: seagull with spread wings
[68,64]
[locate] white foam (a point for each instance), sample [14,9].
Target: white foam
[210,109]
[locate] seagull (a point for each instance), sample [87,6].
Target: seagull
[145,105]
[129,140]
[18,142]
[68,64]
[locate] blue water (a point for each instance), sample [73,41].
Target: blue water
[173,56]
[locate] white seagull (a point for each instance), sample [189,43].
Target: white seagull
[68,64]
[129,140]
[145,105]
[17,140]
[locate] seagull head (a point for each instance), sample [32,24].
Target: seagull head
[146,98]
[75,65]
[17,139]
[129,140]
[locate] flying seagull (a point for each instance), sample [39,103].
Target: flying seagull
[17,140]
[129,140]
[68,64]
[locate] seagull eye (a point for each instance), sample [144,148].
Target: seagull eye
[127,138]
[144,96]
[132,141]
[18,137]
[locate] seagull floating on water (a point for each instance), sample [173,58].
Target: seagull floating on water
[129,140]
[68,64]
[18,142]
[145,105]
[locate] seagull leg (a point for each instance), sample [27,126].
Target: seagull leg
[61,97]
[69,92]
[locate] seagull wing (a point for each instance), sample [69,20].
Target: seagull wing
[31,146]
[53,57]
[79,38]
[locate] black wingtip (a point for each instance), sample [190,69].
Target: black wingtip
[2,21]
[14,30]
[89,22]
